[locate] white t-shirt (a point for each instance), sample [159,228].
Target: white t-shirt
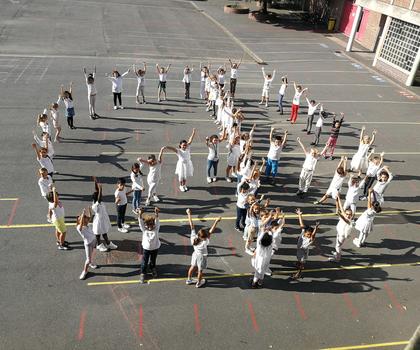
[372,169]
[303,242]
[45,185]
[140,80]
[310,162]
[122,195]
[337,181]
[275,151]
[162,77]
[233,73]
[221,78]
[242,196]
[296,98]
[91,89]
[352,195]
[200,248]
[136,181]
[57,212]
[213,151]
[86,233]
[46,163]
[154,173]
[117,82]
[187,78]
[311,108]
[320,122]
[150,239]
[282,89]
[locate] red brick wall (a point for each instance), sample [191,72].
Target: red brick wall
[402,3]
[372,31]
[416,6]
[391,71]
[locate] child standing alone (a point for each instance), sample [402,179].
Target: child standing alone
[121,204]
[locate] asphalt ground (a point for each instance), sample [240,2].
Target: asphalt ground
[370,298]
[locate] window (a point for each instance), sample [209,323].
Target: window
[401,44]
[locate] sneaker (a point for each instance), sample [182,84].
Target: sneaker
[356,242]
[200,283]
[209,180]
[313,144]
[308,133]
[191,281]
[254,285]
[268,272]
[249,251]
[260,103]
[147,203]
[122,230]
[181,188]
[156,198]
[126,226]
[135,211]
[316,202]
[238,229]
[299,193]
[115,107]
[303,129]
[121,107]
[83,275]
[207,109]
[362,198]
[93,266]
[228,179]
[214,179]
[235,175]
[112,246]
[62,247]
[102,248]
[144,102]
[186,188]
[141,278]
[154,273]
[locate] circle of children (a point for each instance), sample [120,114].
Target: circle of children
[261,227]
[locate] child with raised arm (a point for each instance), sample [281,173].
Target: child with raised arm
[121,204]
[56,217]
[153,177]
[67,98]
[234,152]
[352,195]
[136,185]
[117,80]
[268,79]
[55,117]
[374,164]
[241,205]
[383,180]
[360,159]
[44,142]
[296,102]
[344,227]
[44,182]
[308,168]
[162,73]
[312,107]
[282,92]
[305,240]
[332,140]
[150,242]
[318,126]
[212,143]
[234,67]
[44,159]
[85,231]
[364,223]
[273,156]
[204,73]
[184,166]
[334,189]
[199,240]
[141,82]
[187,80]
[91,89]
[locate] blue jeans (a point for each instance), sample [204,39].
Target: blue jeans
[271,167]
[240,217]
[212,164]
[136,199]
[280,103]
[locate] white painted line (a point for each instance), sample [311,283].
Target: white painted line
[45,70]
[285,154]
[324,45]
[183,49]
[309,60]
[23,71]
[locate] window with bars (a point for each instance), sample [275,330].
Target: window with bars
[401,44]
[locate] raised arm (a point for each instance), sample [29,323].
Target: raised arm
[362,133]
[71,87]
[144,67]
[190,219]
[271,134]
[170,148]
[299,214]
[36,151]
[125,73]
[263,71]
[84,72]
[315,231]
[240,61]
[301,145]
[135,70]
[157,68]
[339,210]
[55,197]
[382,159]
[372,140]
[190,140]
[168,67]
[160,154]
[274,74]
[284,138]
[213,227]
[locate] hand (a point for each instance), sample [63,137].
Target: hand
[253,126]
[219,219]
[33,145]
[345,158]
[298,211]
[157,210]
[272,128]
[139,159]
[317,224]
[188,211]
[207,138]
[194,129]
[374,132]
[298,139]
[286,132]
[382,154]
[342,114]
[363,127]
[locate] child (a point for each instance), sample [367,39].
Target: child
[268,79]
[374,164]
[234,67]
[204,73]
[359,160]
[44,142]
[312,107]
[384,178]
[247,138]
[221,77]
[184,166]
[344,228]
[308,168]
[43,159]
[352,196]
[45,182]
[334,189]
[199,241]
[136,185]
[273,156]
[56,121]
[42,122]
[117,80]
[212,143]
[296,102]
[187,80]
[213,94]
[90,84]
[153,177]
[318,125]
[101,222]
[140,74]
[241,205]
[332,140]
[56,217]
[150,242]
[86,233]
[232,157]
[364,223]
[305,240]
[121,204]
[282,91]
[162,72]
[67,98]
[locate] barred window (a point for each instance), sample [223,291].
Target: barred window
[401,44]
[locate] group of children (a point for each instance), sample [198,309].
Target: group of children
[261,227]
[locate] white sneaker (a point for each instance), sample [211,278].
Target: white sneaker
[115,107]
[356,242]
[209,180]
[201,283]
[191,281]
[249,251]
[214,179]
[122,230]
[83,275]
[260,103]
[228,179]
[134,211]
[181,188]
[268,272]
[186,188]
[93,266]
[234,174]
[147,203]
[121,107]
[112,246]
[126,226]
[101,247]
[156,198]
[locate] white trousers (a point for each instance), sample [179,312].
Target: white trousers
[305,179]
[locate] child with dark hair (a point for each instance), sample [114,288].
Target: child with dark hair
[199,240]
[121,204]
[67,98]
[276,147]
[334,189]
[85,231]
[312,107]
[305,240]
[318,126]
[374,164]
[136,185]
[57,217]
[117,80]
[90,84]
[384,178]
[332,140]
[241,205]
[282,91]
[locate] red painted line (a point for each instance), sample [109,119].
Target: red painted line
[141,321]
[231,247]
[82,321]
[253,318]
[197,319]
[13,212]
[393,298]
[350,306]
[185,244]
[175,187]
[299,307]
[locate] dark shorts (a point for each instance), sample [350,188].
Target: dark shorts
[70,112]
[162,84]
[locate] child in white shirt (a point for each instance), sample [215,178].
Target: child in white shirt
[187,80]
[282,91]
[88,237]
[136,185]
[268,79]
[163,73]
[312,107]
[121,204]
[117,79]
[140,74]
[90,84]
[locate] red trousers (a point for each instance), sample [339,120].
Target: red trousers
[294,114]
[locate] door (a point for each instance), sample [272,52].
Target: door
[347,18]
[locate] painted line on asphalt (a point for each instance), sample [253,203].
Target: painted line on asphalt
[252,316]
[275,273]
[8,199]
[393,298]
[299,307]
[226,218]
[13,212]
[369,346]
[197,319]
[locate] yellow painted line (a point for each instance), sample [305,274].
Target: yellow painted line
[210,218]
[9,199]
[285,154]
[247,274]
[369,346]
